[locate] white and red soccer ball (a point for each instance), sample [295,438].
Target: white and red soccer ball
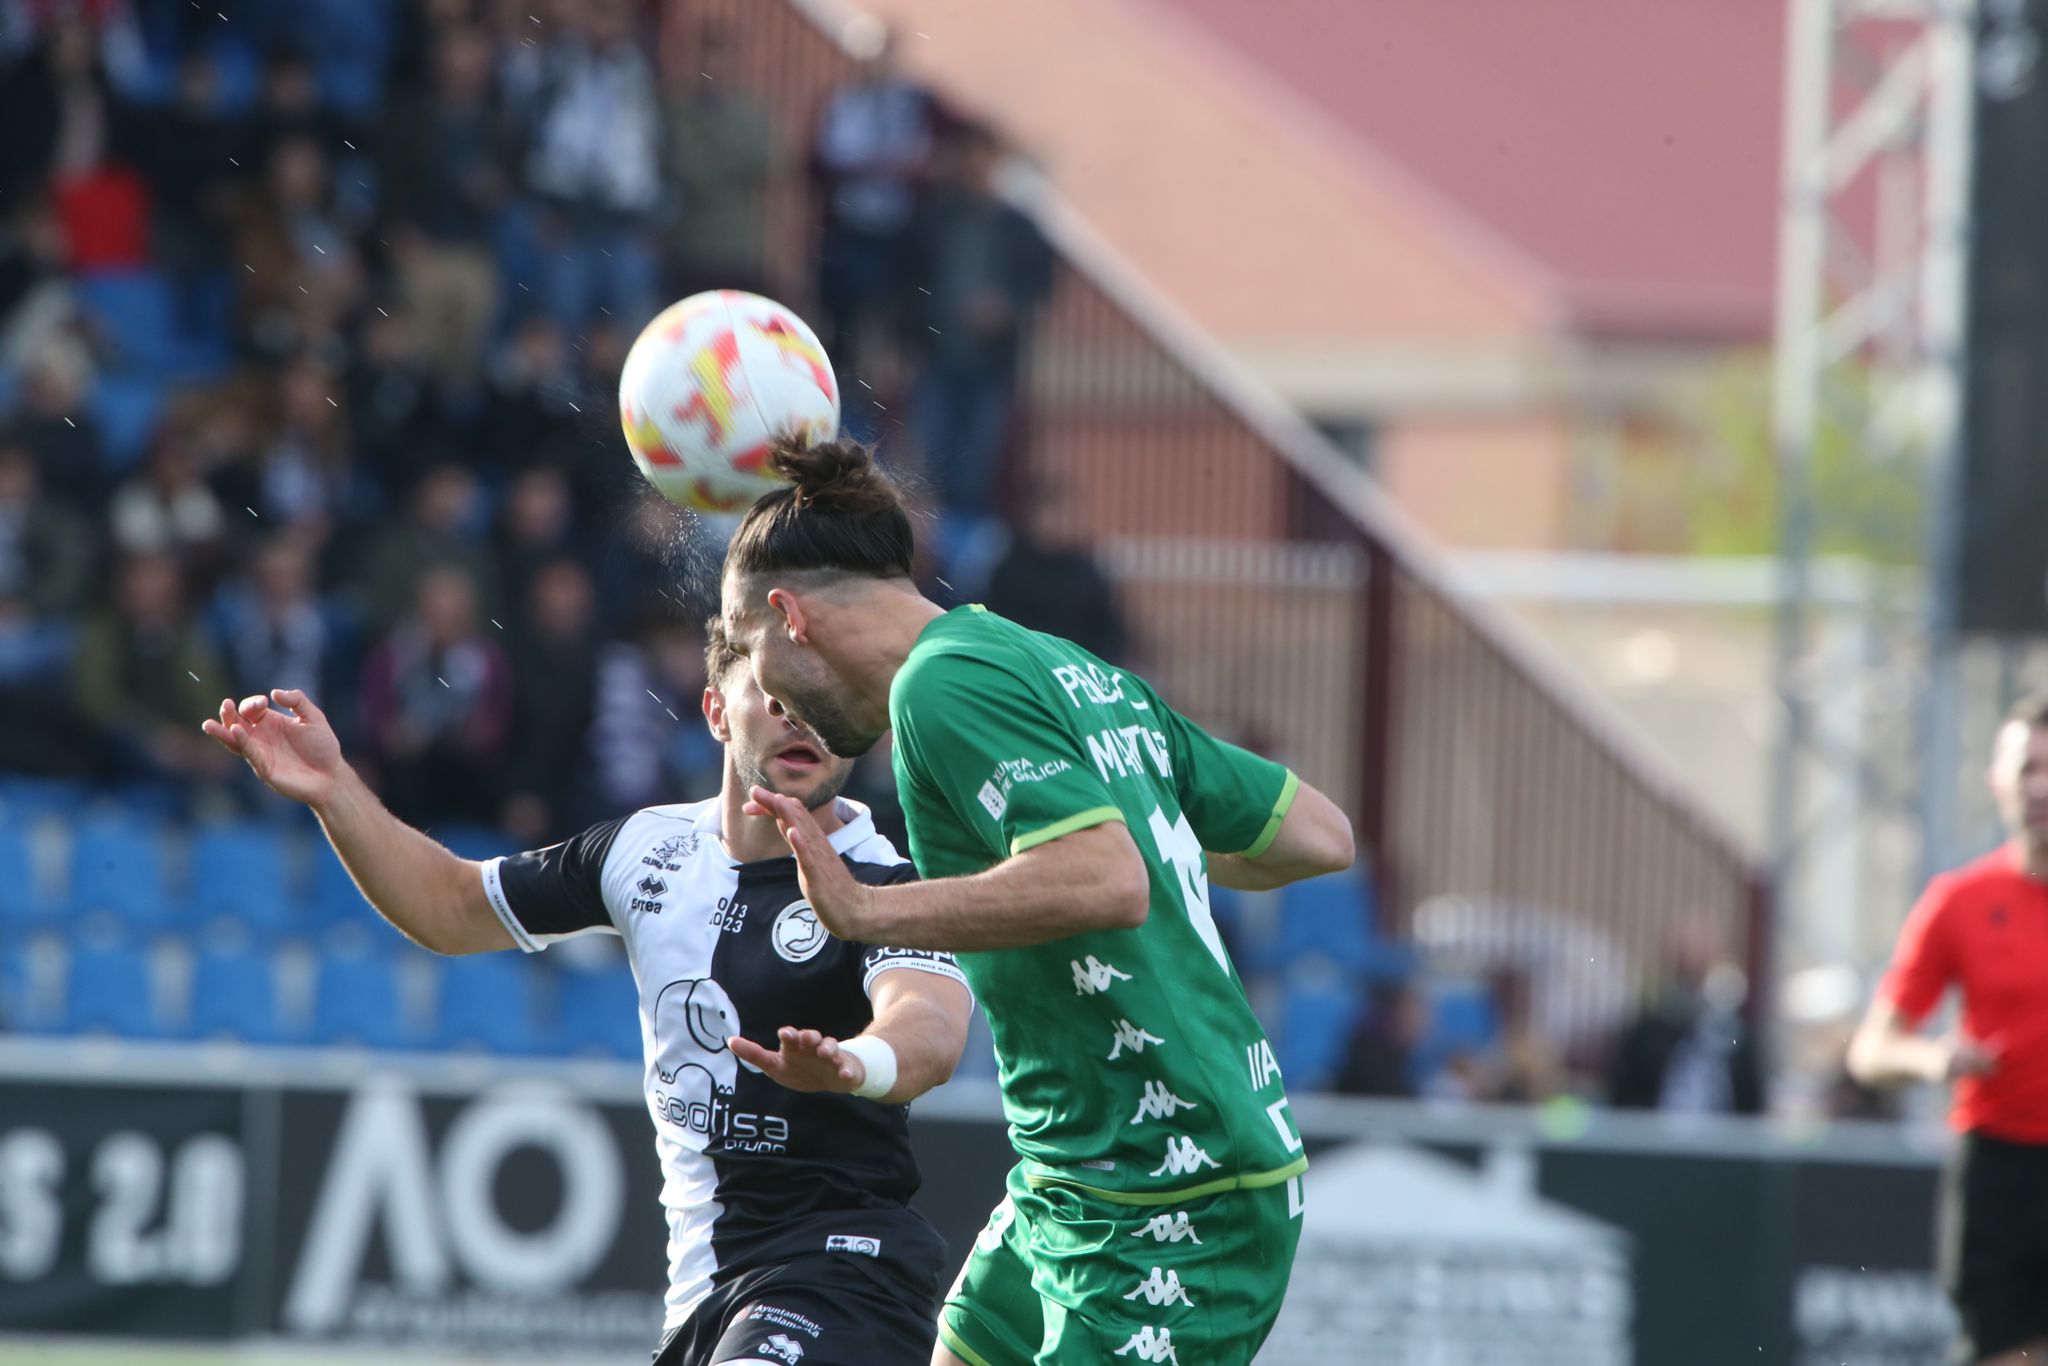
[711,384]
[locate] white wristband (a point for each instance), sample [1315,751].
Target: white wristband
[879,1059]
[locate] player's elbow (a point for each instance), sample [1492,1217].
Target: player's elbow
[1127,898]
[1337,846]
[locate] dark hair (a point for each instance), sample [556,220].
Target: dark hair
[2030,711]
[839,513]
[720,659]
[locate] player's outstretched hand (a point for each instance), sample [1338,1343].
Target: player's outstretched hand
[295,751]
[841,901]
[807,1061]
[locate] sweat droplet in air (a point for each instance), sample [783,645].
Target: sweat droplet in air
[193,676]
[442,681]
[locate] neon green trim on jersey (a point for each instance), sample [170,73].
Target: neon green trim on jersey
[956,1346]
[1094,815]
[1273,822]
[1251,1181]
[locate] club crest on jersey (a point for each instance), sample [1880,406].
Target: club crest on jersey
[669,854]
[797,933]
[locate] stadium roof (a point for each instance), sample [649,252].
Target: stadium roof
[1625,150]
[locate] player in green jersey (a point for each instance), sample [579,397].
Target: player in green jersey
[1069,823]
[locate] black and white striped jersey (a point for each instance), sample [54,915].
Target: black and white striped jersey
[753,1172]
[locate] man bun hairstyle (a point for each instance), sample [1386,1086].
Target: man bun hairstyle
[839,513]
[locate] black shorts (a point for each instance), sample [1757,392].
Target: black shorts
[1994,1243]
[819,1309]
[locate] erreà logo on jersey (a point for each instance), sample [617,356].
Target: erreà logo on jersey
[797,933]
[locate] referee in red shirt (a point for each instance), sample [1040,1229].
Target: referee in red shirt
[1983,929]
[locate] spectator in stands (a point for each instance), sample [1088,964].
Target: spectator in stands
[1379,1058]
[1049,579]
[531,402]
[297,252]
[722,152]
[36,306]
[1527,1069]
[54,425]
[61,127]
[142,668]
[442,527]
[444,169]
[869,158]
[595,166]
[46,554]
[555,666]
[273,631]
[645,747]
[167,508]
[189,152]
[437,707]
[392,407]
[288,109]
[536,528]
[1689,1050]
[306,477]
[983,270]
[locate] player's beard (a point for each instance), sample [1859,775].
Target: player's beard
[753,772]
[818,711]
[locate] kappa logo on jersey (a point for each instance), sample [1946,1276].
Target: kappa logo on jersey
[1169,1228]
[797,934]
[1094,976]
[1158,1289]
[1130,1036]
[783,1348]
[1150,1344]
[853,1242]
[1184,1156]
[1160,1103]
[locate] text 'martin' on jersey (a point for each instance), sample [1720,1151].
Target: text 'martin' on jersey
[1130,1061]
[752,1172]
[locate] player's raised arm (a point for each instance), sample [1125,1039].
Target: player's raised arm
[1313,838]
[435,898]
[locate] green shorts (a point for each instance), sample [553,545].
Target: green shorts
[1063,1277]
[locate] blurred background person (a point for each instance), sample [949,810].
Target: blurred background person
[555,666]
[1689,1051]
[721,152]
[141,664]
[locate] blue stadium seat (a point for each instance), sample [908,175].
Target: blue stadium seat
[355,1001]
[117,864]
[600,1014]
[240,871]
[1331,916]
[234,995]
[110,992]
[1315,1026]
[1462,1019]
[487,1001]
[335,899]
[475,841]
[21,903]
[136,314]
[25,800]
[127,408]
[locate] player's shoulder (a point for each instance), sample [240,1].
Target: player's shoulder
[870,854]
[1993,875]
[670,835]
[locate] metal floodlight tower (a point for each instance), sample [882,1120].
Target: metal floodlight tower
[1872,296]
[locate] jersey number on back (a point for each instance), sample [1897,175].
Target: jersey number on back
[1179,846]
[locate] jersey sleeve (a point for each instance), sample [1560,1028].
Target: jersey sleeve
[1008,765]
[1923,965]
[1233,798]
[548,894]
[875,959]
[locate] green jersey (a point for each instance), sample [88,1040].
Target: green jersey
[1130,1061]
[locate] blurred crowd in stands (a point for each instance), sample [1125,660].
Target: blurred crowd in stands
[311,317]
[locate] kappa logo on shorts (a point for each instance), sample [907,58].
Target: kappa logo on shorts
[1150,1344]
[1160,1103]
[853,1242]
[1182,1157]
[1158,1289]
[1095,976]
[1169,1228]
[782,1347]
[796,934]
[1130,1036]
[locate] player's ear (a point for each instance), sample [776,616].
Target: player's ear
[786,606]
[714,715]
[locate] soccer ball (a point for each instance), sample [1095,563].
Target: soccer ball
[710,384]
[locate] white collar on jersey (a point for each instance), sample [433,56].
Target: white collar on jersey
[859,826]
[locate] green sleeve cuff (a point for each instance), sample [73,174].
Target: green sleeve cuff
[1273,822]
[1094,815]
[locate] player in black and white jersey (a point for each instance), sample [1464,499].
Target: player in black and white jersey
[779,1059]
